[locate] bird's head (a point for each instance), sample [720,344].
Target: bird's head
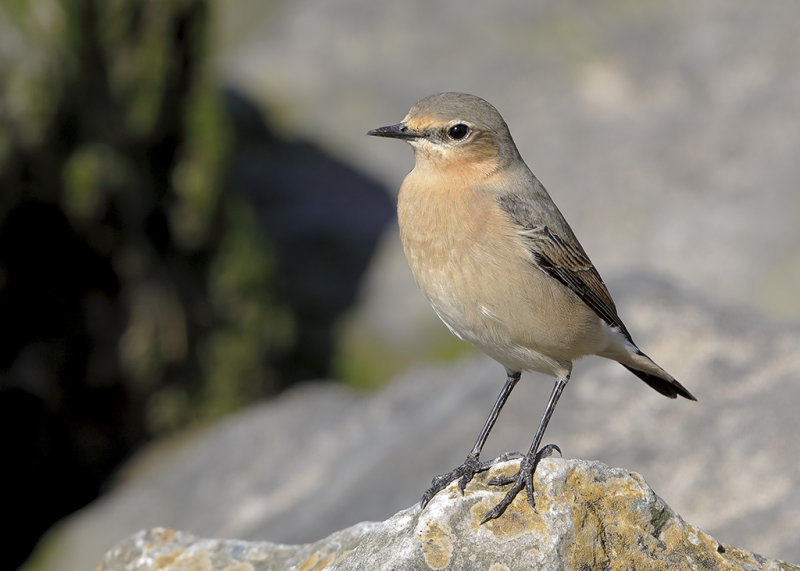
[451,128]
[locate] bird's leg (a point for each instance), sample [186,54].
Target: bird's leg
[473,465]
[524,477]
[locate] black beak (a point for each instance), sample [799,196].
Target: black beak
[399,131]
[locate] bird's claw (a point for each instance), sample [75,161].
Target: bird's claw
[464,474]
[522,479]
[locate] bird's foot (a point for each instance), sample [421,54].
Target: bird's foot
[464,474]
[522,479]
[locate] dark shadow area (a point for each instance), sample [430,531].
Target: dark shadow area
[324,220]
[164,258]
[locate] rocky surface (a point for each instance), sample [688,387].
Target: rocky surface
[588,516]
[323,458]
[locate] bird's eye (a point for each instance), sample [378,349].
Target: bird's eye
[458,131]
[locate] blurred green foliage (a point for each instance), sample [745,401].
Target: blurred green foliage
[165,258]
[111,115]
[136,295]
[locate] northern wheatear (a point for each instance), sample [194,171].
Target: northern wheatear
[501,267]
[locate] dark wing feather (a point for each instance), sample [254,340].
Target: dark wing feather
[570,266]
[564,261]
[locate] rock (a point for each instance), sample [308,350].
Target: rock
[588,516]
[728,463]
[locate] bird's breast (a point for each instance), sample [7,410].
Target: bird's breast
[471,264]
[451,233]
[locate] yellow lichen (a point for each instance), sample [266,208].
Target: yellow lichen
[437,545]
[324,562]
[309,563]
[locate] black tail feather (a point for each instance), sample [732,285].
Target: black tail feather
[670,388]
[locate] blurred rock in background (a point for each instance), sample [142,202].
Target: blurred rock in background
[323,219]
[323,457]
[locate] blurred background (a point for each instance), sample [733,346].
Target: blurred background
[192,220]
[165,256]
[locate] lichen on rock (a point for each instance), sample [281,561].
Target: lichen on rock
[587,516]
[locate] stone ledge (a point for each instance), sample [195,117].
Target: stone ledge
[588,516]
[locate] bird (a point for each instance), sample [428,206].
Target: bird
[502,268]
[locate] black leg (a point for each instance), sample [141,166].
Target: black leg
[472,465]
[524,477]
